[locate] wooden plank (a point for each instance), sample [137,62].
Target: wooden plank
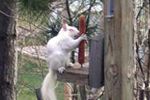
[76,76]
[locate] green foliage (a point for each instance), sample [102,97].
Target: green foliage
[38,12]
[30,78]
[34,10]
[34,5]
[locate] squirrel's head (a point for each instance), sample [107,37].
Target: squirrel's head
[70,30]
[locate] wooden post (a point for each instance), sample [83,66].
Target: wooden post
[67,91]
[38,94]
[82,92]
[118,50]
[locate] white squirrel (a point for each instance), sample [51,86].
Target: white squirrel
[58,49]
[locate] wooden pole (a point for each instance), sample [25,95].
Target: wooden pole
[67,91]
[118,50]
[75,91]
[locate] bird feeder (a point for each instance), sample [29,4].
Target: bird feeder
[95,73]
[96,56]
[82,29]
[96,62]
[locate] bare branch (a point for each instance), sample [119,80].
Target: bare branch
[89,10]
[2,12]
[68,11]
[139,61]
[141,8]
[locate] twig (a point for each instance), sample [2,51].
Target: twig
[139,60]
[89,10]
[44,27]
[39,61]
[51,9]
[38,58]
[70,19]
[68,11]
[141,8]
[2,12]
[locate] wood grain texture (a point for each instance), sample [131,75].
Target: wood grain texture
[119,51]
[7,49]
[76,76]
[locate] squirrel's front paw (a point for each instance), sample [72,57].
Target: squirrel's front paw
[61,69]
[84,37]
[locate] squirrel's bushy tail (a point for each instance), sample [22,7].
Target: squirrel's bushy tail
[48,86]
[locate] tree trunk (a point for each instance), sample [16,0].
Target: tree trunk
[7,50]
[118,49]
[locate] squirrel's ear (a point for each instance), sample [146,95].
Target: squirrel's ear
[64,24]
